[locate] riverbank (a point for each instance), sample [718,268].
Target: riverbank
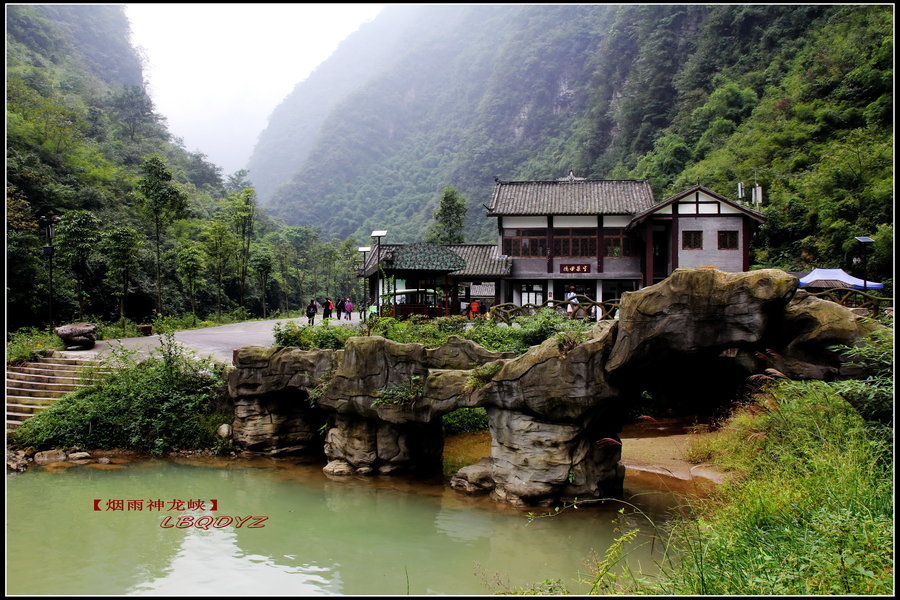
[652,452]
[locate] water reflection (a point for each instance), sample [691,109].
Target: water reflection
[354,536]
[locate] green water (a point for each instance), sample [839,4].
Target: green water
[353,536]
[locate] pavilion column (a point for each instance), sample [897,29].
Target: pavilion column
[648,252]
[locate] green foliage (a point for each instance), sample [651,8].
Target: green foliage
[465,420]
[307,337]
[403,394]
[812,512]
[29,343]
[449,219]
[482,375]
[170,401]
[873,396]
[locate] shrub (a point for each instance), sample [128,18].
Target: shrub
[465,420]
[170,401]
[307,337]
[406,393]
[29,343]
[873,397]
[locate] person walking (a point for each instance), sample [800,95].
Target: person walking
[311,310]
[339,308]
[327,308]
[570,298]
[348,308]
[473,309]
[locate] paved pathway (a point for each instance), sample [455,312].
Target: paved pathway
[217,343]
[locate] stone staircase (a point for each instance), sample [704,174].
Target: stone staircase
[33,386]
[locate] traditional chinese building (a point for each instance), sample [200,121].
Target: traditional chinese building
[606,237]
[602,237]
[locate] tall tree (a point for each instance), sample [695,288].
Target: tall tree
[220,244]
[120,246]
[134,108]
[238,181]
[78,233]
[262,261]
[190,265]
[241,207]
[449,219]
[163,201]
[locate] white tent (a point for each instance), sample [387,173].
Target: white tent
[834,278]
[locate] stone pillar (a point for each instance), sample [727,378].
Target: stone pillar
[357,446]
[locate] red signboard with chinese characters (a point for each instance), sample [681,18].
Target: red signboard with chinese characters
[575,268]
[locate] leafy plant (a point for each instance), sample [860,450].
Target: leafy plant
[465,420]
[29,343]
[482,375]
[169,401]
[401,394]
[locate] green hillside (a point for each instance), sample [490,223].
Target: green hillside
[142,226]
[782,96]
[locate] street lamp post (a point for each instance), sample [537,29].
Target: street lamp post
[377,235]
[865,241]
[364,303]
[49,223]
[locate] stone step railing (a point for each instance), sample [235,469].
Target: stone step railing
[33,386]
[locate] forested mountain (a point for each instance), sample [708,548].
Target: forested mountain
[424,98]
[795,98]
[142,226]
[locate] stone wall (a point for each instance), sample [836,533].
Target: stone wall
[555,411]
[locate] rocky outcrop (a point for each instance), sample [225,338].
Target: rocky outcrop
[77,336]
[698,310]
[273,410]
[554,412]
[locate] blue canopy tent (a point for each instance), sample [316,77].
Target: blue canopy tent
[836,278]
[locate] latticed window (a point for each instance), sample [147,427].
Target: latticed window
[692,240]
[728,240]
[575,242]
[617,243]
[525,242]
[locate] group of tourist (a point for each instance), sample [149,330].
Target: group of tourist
[343,308]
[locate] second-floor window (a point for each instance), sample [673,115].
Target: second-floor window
[574,242]
[617,243]
[525,242]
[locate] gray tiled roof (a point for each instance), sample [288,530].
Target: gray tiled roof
[423,257]
[571,197]
[482,260]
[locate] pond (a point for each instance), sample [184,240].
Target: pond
[180,526]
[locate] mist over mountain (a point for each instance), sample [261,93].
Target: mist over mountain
[426,97]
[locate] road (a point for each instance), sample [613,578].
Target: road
[217,343]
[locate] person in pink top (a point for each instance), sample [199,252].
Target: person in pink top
[348,308]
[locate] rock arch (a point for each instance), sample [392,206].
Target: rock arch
[555,411]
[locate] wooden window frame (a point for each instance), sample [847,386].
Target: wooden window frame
[516,240]
[616,237]
[692,240]
[728,235]
[574,242]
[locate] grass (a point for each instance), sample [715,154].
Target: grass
[810,513]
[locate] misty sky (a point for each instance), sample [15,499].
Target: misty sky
[216,71]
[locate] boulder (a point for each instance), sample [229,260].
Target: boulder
[460,353]
[809,326]
[697,310]
[77,336]
[49,456]
[475,479]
